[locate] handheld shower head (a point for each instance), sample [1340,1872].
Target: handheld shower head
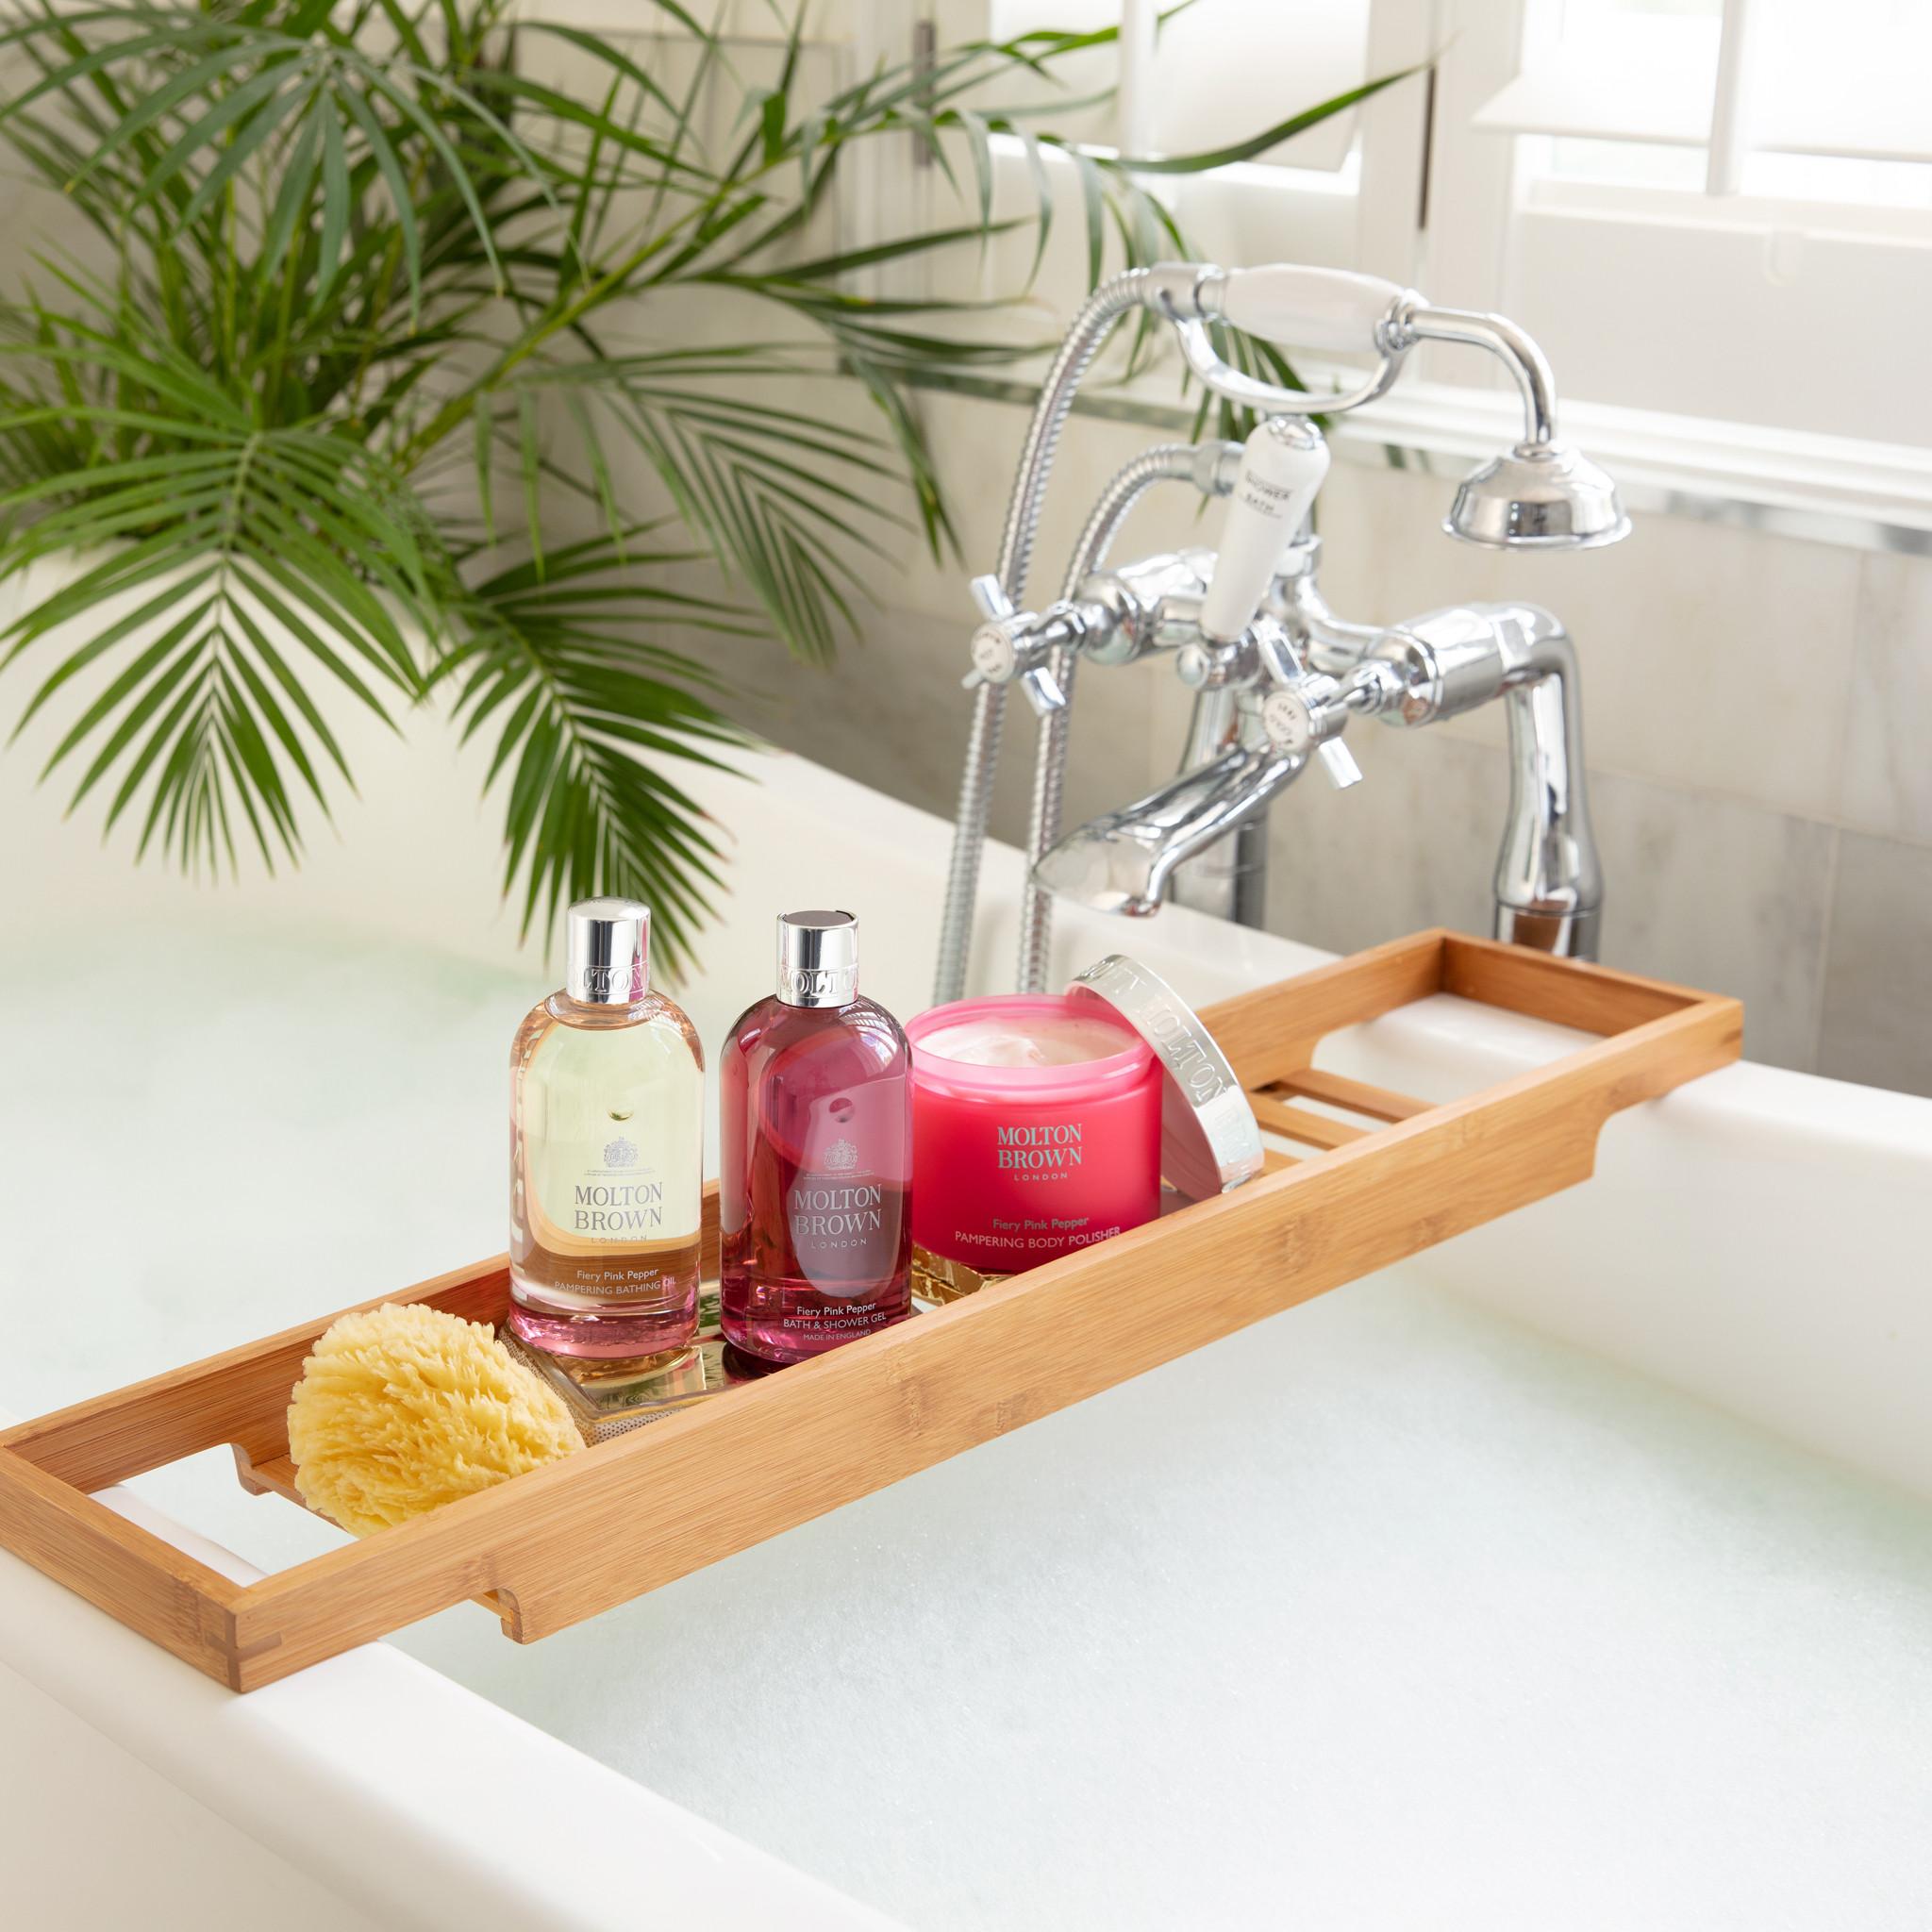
[1538,496]
[1543,494]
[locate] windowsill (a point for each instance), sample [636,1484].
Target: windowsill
[1823,488]
[1789,483]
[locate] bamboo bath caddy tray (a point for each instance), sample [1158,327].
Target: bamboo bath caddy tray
[565,1541]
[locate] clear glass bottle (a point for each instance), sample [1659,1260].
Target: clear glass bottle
[606,1151]
[815,1155]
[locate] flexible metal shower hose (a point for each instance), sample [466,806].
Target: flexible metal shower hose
[1167,462]
[1104,307]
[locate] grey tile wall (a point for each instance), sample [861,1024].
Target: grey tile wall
[1885,784]
[1877,1019]
[1699,889]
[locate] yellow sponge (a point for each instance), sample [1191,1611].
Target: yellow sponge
[404,1409]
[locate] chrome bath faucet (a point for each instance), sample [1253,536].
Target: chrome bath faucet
[1277,678]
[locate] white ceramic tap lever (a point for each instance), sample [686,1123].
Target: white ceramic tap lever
[1282,467]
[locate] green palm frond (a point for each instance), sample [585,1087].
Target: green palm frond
[335,421]
[225,561]
[203,97]
[782,497]
[562,664]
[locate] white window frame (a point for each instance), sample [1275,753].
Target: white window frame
[1814,483]
[1808,481]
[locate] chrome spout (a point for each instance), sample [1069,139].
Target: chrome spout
[1549,885]
[1548,882]
[1230,879]
[1123,861]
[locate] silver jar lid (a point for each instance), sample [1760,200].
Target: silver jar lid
[1210,1141]
[818,958]
[607,952]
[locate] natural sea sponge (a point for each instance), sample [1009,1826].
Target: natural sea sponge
[402,1408]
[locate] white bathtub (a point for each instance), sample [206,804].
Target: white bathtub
[1393,1610]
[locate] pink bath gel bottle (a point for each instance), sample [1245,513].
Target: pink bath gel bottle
[815,1155]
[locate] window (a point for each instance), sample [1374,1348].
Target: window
[1769,98]
[1215,69]
[1715,215]
[1711,208]
[1714,210]
[1219,70]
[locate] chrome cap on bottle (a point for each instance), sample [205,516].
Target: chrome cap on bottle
[607,952]
[818,958]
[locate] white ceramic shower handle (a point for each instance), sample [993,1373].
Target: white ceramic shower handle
[1282,467]
[1308,308]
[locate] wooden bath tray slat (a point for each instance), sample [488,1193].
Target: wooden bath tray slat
[1375,1103]
[1302,1123]
[566,1542]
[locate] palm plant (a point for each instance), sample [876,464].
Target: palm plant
[342,390]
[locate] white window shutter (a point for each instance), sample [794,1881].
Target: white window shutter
[1223,68]
[1846,79]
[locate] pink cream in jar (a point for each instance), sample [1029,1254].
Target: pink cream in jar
[1035,1129]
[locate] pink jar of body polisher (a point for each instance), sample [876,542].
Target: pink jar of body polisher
[1016,1163]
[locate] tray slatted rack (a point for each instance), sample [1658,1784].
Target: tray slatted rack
[566,1542]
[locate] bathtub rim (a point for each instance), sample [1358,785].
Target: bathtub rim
[388,1782]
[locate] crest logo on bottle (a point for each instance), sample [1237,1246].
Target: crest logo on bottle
[842,1157]
[619,1152]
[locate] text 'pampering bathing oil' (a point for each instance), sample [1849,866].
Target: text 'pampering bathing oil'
[815,1158]
[606,1151]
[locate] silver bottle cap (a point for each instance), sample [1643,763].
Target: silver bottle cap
[1210,1141]
[607,952]
[818,958]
